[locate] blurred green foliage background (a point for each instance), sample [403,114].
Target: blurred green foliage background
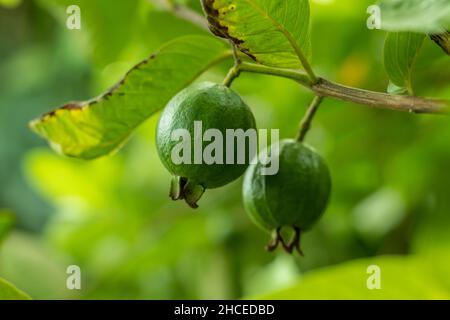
[113,217]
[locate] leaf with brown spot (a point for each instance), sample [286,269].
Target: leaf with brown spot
[273,33]
[101,125]
[442,40]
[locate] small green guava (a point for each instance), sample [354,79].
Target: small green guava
[295,197]
[217,109]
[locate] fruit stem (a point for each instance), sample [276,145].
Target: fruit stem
[231,76]
[305,124]
[235,71]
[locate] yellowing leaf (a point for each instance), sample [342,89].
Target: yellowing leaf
[99,126]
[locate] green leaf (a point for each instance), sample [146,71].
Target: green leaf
[273,33]
[400,278]
[426,16]
[99,126]
[400,52]
[10,292]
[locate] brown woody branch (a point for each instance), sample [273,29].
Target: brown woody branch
[323,87]
[327,88]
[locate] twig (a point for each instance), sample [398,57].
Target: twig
[305,124]
[231,76]
[235,71]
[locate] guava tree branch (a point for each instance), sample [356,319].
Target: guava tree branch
[325,88]
[381,100]
[321,87]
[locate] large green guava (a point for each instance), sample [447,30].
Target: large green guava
[216,107]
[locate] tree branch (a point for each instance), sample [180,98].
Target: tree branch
[381,100]
[320,86]
[327,88]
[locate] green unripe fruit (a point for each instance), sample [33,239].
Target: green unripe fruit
[295,197]
[217,107]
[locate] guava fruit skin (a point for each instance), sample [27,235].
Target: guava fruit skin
[218,107]
[296,196]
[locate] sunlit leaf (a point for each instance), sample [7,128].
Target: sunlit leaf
[273,33]
[427,16]
[400,52]
[10,292]
[400,278]
[99,126]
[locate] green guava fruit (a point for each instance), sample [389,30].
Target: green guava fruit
[295,197]
[216,107]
